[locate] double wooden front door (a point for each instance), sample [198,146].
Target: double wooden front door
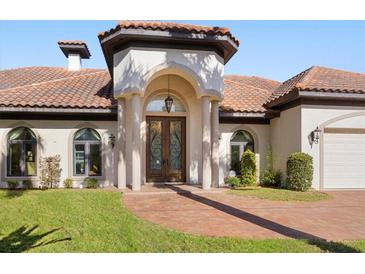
[165,151]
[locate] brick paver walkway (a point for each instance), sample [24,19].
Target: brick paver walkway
[216,213]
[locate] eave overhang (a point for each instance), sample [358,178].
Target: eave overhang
[35,113]
[247,117]
[124,38]
[319,96]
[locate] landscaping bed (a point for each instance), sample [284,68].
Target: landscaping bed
[279,194]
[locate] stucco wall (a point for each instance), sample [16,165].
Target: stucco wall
[285,136]
[55,137]
[313,116]
[261,135]
[134,68]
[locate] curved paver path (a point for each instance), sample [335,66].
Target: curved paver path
[219,214]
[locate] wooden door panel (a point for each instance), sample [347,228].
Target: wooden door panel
[165,149]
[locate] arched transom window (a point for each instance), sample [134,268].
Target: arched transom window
[241,141]
[87,153]
[157,104]
[22,149]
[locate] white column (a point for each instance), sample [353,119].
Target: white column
[136,142]
[215,143]
[206,151]
[121,144]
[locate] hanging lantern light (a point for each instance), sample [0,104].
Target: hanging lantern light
[168,101]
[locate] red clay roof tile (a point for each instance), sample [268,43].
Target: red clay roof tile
[321,79]
[168,26]
[246,93]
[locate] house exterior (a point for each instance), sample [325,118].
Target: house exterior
[113,125]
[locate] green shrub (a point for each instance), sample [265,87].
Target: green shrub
[27,184]
[12,184]
[248,168]
[91,183]
[68,183]
[233,181]
[271,178]
[299,171]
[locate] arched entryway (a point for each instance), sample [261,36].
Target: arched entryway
[165,139]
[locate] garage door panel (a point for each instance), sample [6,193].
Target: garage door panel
[344,160]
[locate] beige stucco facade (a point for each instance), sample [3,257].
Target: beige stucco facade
[326,117]
[195,78]
[261,136]
[291,133]
[56,137]
[285,134]
[136,68]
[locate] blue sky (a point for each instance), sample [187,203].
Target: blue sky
[272,49]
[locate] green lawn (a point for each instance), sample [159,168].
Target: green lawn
[96,221]
[277,194]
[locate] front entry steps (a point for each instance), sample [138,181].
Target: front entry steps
[171,188]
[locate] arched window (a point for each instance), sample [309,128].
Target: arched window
[22,149]
[87,153]
[241,141]
[157,104]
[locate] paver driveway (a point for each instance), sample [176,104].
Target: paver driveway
[216,213]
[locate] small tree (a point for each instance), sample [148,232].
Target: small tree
[50,171]
[299,171]
[248,168]
[270,177]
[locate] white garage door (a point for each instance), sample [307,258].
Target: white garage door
[344,158]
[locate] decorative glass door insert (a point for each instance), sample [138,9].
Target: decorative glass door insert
[165,157]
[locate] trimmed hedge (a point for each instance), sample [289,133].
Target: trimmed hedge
[271,178]
[68,183]
[12,184]
[28,184]
[91,183]
[233,181]
[299,171]
[248,168]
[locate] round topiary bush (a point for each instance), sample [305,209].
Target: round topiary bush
[91,183]
[248,168]
[68,183]
[233,181]
[299,171]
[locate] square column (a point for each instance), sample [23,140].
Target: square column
[206,145]
[215,143]
[136,142]
[121,169]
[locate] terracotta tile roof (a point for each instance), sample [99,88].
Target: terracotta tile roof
[168,26]
[92,88]
[246,93]
[71,42]
[321,79]
[56,87]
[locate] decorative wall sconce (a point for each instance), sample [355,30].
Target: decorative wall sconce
[315,135]
[112,140]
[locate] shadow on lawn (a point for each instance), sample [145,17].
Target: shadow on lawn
[323,244]
[23,239]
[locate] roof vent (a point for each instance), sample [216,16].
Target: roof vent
[74,50]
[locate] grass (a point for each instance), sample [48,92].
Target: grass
[277,194]
[97,221]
